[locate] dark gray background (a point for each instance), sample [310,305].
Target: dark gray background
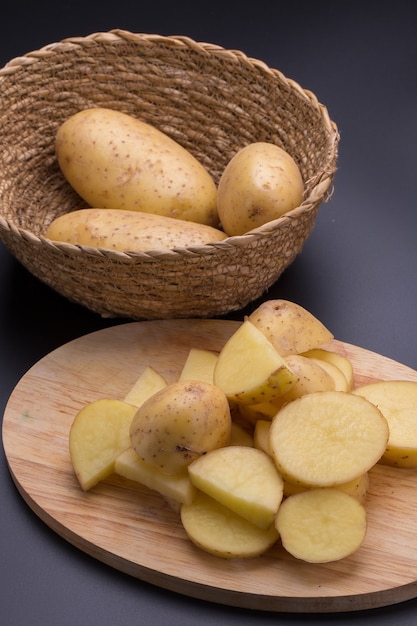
[356,272]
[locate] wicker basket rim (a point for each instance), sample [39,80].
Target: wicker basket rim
[179,41]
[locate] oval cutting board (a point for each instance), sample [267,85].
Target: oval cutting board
[132,529]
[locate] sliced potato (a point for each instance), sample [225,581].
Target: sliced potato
[199,365]
[321,525]
[148,383]
[289,327]
[397,401]
[216,529]
[358,487]
[99,433]
[251,413]
[342,362]
[340,382]
[249,369]
[176,487]
[327,438]
[311,377]
[261,436]
[243,479]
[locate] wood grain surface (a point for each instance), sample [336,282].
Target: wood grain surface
[133,530]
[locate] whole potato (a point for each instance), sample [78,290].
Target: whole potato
[259,184]
[116,161]
[179,423]
[129,231]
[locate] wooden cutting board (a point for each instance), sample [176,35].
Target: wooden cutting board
[131,528]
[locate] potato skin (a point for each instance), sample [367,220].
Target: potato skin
[129,231]
[259,184]
[116,161]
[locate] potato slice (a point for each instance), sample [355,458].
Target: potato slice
[340,382]
[243,479]
[199,365]
[358,488]
[261,436]
[99,433]
[342,362]
[397,400]
[177,487]
[249,369]
[321,525]
[148,383]
[311,377]
[327,438]
[289,327]
[218,530]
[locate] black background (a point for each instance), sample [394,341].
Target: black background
[356,272]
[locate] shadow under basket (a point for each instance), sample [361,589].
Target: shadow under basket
[212,101]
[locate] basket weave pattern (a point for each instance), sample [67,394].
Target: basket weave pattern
[212,101]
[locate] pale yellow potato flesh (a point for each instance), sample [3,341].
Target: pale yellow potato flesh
[342,362]
[327,438]
[289,327]
[358,488]
[98,434]
[148,383]
[179,423]
[219,531]
[338,377]
[242,478]
[129,231]
[176,487]
[259,184]
[261,436]
[116,161]
[249,369]
[397,400]
[199,365]
[321,525]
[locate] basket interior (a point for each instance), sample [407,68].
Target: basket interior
[212,101]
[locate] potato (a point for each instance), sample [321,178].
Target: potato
[342,362]
[311,377]
[199,365]
[358,488]
[148,383]
[261,436]
[129,231]
[340,382]
[289,327]
[242,478]
[321,525]
[177,487]
[179,423]
[98,434]
[327,438]
[259,184]
[249,369]
[397,401]
[116,161]
[223,533]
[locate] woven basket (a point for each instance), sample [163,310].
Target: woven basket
[211,100]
